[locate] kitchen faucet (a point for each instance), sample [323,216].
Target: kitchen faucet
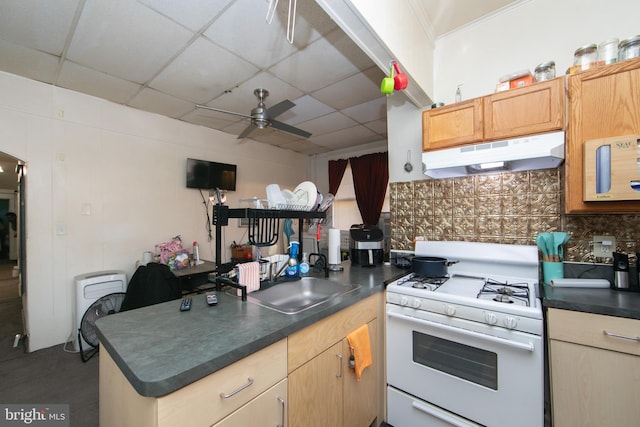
[320,264]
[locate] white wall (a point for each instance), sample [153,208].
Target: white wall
[106,182]
[517,38]
[404,129]
[524,36]
[390,30]
[417,60]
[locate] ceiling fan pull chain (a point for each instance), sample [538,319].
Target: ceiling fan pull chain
[273,4]
[291,21]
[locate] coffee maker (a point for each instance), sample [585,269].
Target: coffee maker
[366,245]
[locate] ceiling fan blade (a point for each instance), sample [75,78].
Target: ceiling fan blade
[288,128]
[224,111]
[247,131]
[279,108]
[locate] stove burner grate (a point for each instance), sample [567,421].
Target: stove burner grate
[505,292]
[422,282]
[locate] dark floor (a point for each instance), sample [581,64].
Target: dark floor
[47,376]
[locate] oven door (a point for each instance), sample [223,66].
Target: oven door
[487,374]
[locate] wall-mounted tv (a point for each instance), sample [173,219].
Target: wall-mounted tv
[209,175]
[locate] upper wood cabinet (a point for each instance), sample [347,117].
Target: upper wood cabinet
[604,102]
[526,111]
[453,125]
[533,109]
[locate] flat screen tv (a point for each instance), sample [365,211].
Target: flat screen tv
[209,175]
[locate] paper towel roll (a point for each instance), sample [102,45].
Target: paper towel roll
[580,283]
[334,246]
[147,257]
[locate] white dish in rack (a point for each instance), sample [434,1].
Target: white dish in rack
[306,194]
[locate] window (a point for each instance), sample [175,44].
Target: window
[345,208]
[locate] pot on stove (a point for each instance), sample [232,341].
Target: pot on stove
[429,266]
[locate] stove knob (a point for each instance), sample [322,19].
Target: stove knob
[404,301]
[510,322]
[490,318]
[416,303]
[450,310]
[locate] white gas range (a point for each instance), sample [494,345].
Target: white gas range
[467,349]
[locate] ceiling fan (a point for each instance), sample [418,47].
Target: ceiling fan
[262,117]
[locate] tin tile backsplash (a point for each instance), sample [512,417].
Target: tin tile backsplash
[507,208]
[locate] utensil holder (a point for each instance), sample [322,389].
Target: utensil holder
[552,270]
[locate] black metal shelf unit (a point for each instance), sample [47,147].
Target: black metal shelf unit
[263,227]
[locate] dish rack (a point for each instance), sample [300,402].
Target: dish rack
[263,230]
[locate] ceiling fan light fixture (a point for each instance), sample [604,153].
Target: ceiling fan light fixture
[261,123]
[262,117]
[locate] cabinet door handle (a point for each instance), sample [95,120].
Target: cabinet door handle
[281,400]
[233,393]
[339,375]
[624,337]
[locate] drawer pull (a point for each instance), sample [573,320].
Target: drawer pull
[281,400]
[339,374]
[233,393]
[624,337]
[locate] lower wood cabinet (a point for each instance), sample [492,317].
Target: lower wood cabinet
[359,399]
[323,390]
[595,370]
[301,381]
[316,391]
[199,404]
[268,409]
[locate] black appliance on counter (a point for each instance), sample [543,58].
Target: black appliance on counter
[620,271]
[366,245]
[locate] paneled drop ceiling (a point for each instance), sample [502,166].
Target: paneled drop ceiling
[165,56]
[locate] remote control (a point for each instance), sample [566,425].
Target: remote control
[212,299]
[185,305]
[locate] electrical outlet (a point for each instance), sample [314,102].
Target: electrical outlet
[604,246]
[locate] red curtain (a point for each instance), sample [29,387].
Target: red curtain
[370,179]
[336,172]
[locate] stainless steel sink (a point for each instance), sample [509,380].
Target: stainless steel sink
[294,297]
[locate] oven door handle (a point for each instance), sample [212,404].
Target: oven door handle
[439,415]
[514,344]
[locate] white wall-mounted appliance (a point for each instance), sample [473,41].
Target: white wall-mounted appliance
[543,151]
[89,288]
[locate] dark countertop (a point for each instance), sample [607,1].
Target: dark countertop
[608,302]
[599,301]
[160,349]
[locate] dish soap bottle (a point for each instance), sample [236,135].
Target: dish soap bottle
[292,269]
[304,265]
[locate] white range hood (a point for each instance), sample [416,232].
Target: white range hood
[544,151]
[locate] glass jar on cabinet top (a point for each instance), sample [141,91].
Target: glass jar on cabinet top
[608,52]
[629,48]
[585,57]
[545,71]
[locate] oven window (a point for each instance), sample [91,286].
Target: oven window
[463,361]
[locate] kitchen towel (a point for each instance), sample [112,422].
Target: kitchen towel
[359,342]
[249,276]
